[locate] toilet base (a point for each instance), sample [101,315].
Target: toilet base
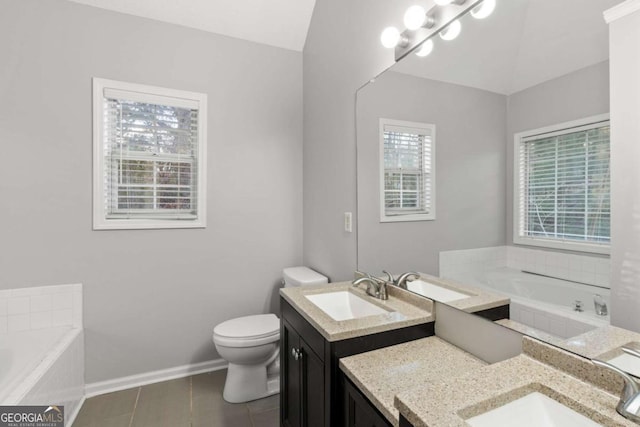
[245,383]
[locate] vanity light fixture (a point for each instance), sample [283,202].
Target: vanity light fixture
[425,49]
[416,17]
[483,10]
[391,37]
[452,31]
[422,24]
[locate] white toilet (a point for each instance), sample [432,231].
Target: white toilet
[251,345]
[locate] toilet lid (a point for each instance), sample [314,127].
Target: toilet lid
[258,326]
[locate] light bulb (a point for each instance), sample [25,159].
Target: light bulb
[425,49]
[390,37]
[452,31]
[414,17]
[443,2]
[484,9]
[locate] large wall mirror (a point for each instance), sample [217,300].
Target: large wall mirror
[435,161]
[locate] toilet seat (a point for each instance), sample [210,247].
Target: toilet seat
[248,331]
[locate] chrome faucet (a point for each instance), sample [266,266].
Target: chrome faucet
[600,305]
[401,281]
[629,405]
[377,288]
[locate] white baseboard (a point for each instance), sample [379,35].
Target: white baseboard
[70,418]
[123,383]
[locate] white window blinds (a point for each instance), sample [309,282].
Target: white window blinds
[564,185]
[151,148]
[150,156]
[407,171]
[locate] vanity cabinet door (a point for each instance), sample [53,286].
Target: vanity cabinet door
[290,378]
[313,407]
[358,410]
[302,382]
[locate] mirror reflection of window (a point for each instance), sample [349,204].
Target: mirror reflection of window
[407,170]
[563,191]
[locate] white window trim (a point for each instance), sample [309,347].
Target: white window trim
[182,98]
[518,238]
[431,216]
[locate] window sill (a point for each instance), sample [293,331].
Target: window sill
[408,218]
[146,224]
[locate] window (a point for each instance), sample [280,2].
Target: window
[562,186]
[407,171]
[149,156]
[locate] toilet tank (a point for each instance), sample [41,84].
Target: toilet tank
[302,276]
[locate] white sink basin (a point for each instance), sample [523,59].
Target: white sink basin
[533,410]
[627,363]
[435,292]
[344,305]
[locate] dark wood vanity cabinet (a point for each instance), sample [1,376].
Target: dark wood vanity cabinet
[311,393]
[358,410]
[301,380]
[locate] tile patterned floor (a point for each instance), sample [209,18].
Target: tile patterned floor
[194,401]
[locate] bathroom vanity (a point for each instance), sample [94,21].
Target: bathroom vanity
[312,342]
[389,369]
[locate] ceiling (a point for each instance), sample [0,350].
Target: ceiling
[524,43]
[281,23]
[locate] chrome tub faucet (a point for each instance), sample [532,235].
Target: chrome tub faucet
[600,305]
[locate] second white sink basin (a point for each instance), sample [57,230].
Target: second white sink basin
[533,410]
[435,292]
[345,305]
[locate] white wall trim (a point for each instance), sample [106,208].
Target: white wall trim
[123,383]
[621,10]
[70,418]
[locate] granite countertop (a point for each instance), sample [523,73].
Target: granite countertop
[564,376]
[479,299]
[474,393]
[381,374]
[405,309]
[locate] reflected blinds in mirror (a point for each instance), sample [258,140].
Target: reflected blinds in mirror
[408,178]
[564,179]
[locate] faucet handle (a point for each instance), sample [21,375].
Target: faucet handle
[389,276]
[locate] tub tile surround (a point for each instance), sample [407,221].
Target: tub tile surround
[558,320]
[40,307]
[58,378]
[412,309]
[590,269]
[473,393]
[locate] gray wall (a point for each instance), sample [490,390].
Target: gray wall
[624,38]
[151,297]
[470,172]
[580,94]
[342,52]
